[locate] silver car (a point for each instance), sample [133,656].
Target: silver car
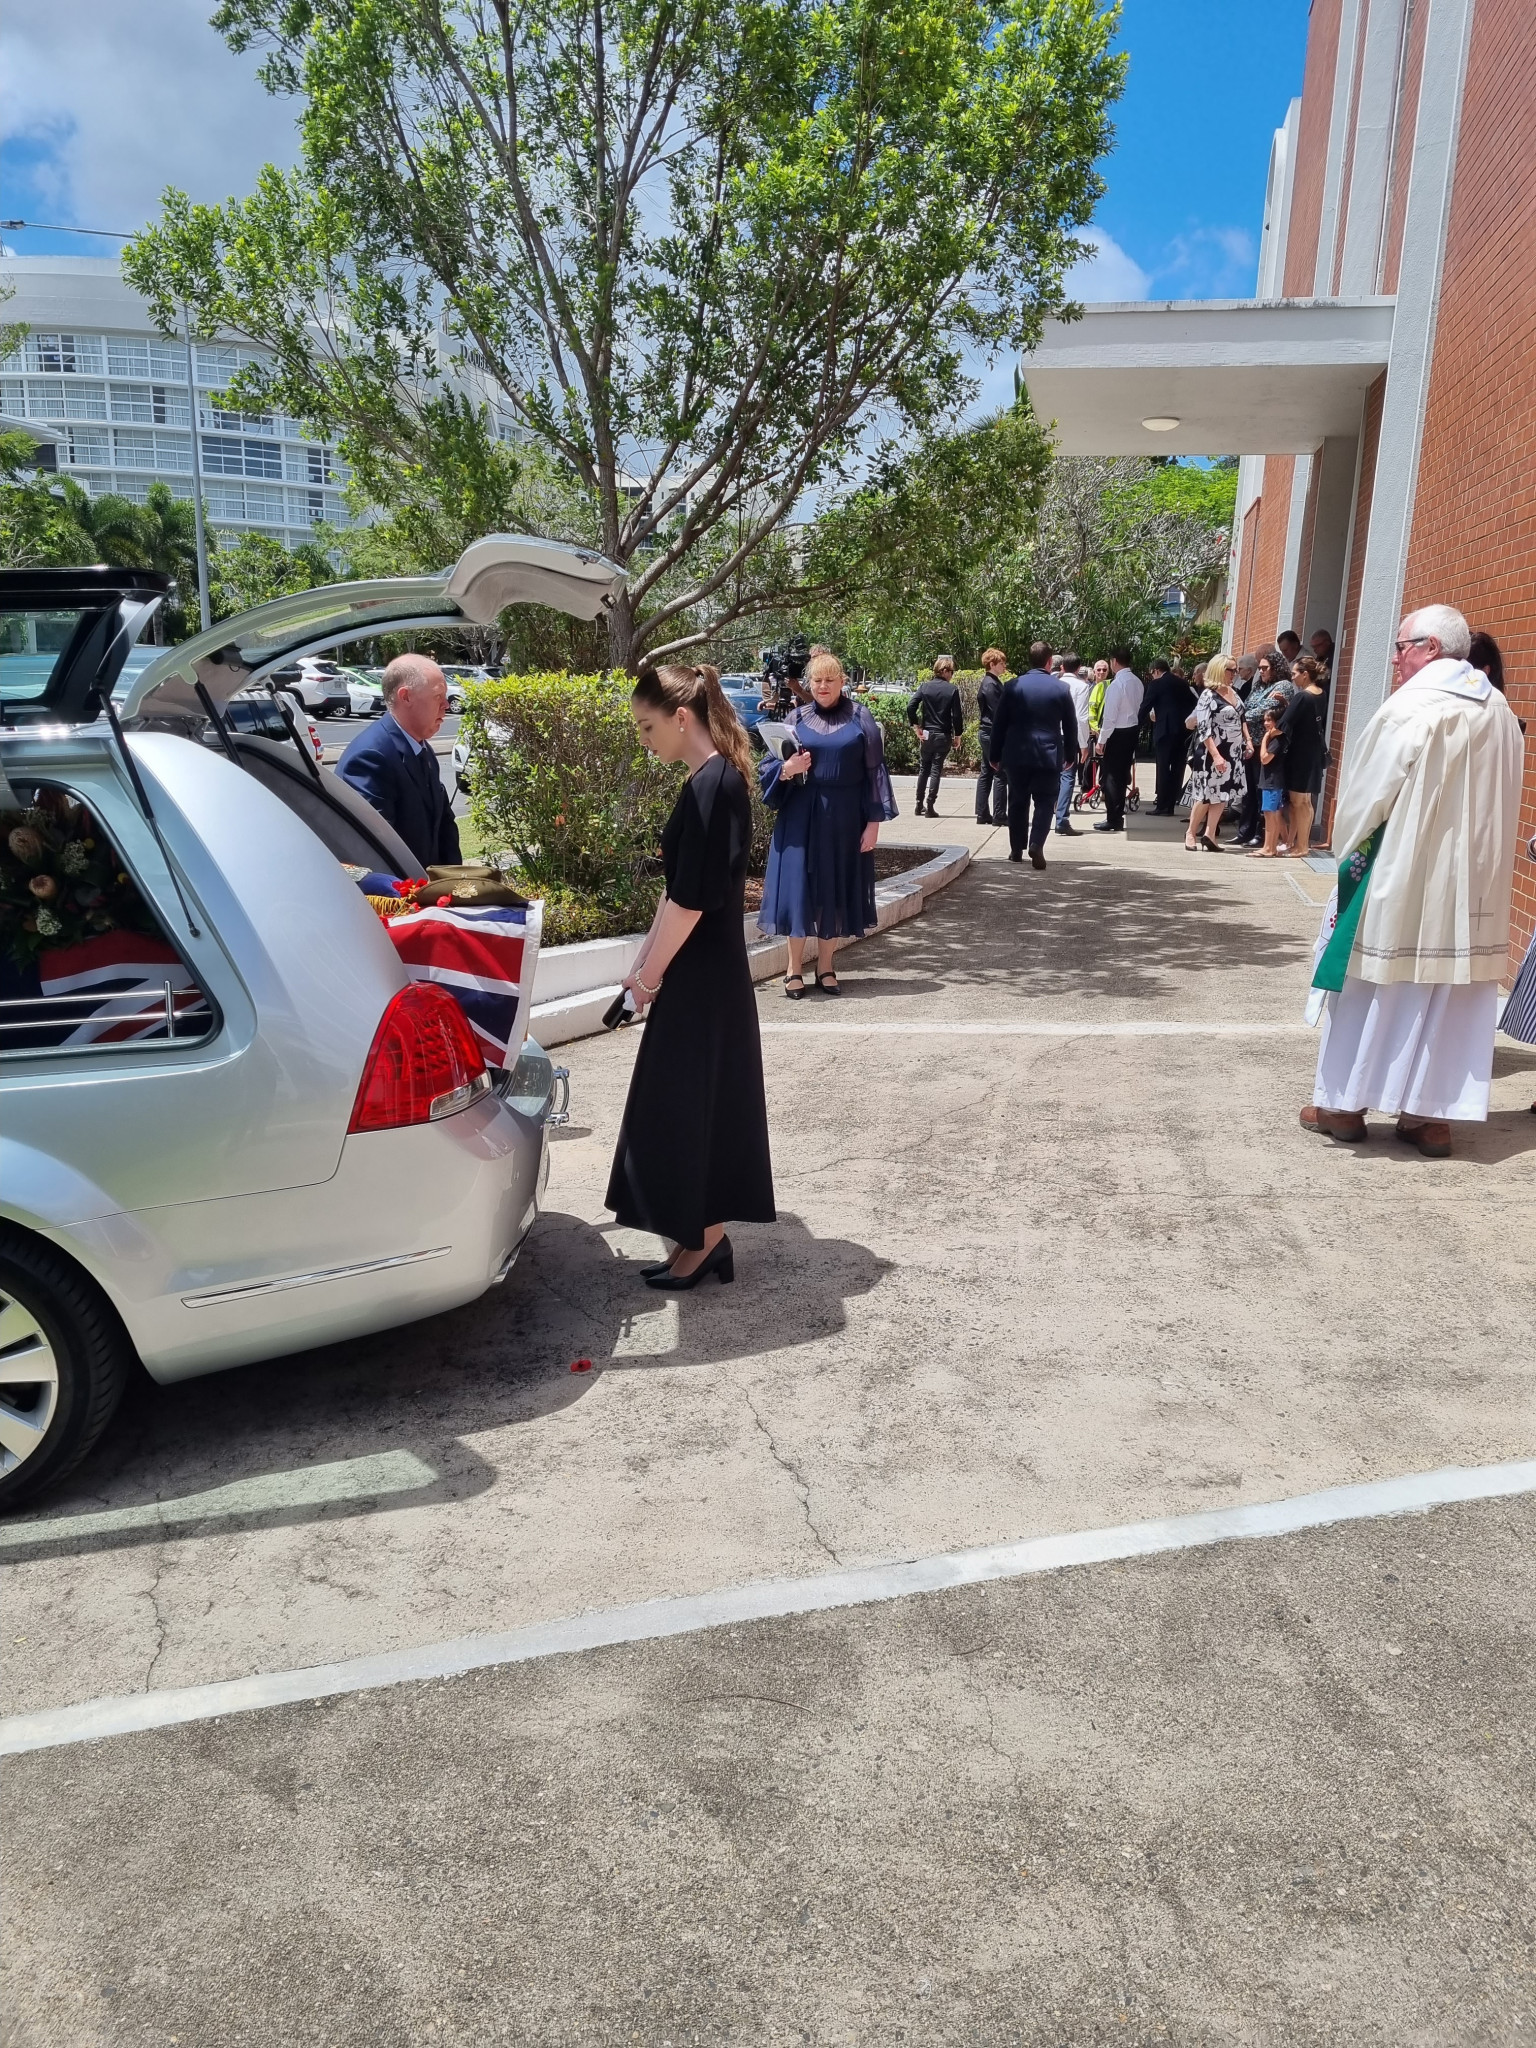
[231,1125]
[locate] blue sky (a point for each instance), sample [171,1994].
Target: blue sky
[93,123]
[1209,82]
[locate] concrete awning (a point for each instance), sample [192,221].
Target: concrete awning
[1241,376]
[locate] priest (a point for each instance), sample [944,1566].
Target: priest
[1408,964]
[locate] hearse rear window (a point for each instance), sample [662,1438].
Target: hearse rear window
[85,963]
[30,645]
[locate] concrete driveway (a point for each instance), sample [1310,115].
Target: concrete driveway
[1054,1256]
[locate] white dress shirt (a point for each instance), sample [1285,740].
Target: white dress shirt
[1082,689]
[1122,703]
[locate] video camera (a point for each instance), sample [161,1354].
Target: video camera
[783,667]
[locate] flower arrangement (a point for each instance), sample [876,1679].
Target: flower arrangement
[61,880]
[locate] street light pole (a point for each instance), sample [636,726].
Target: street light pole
[110,235]
[204,610]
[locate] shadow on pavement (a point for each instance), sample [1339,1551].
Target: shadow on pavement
[1083,930]
[380,1422]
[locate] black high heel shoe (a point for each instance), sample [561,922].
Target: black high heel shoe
[721,1262]
[664,1266]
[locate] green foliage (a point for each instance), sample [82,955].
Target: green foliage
[255,569]
[561,781]
[696,248]
[1086,555]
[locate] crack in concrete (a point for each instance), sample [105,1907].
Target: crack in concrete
[162,1633]
[788,1465]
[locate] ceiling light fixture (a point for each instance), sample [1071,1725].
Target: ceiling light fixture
[1160,423]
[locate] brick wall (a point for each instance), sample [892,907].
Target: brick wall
[1344,660]
[1402,142]
[1473,543]
[1351,136]
[1263,619]
[1312,150]
[1247,557]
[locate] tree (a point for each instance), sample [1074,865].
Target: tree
[256,568]
[702,250]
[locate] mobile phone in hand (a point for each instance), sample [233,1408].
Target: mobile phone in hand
[620,1011]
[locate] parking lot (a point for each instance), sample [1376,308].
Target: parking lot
[1053,1256]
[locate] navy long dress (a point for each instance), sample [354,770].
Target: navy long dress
[693,1146]
[818,883]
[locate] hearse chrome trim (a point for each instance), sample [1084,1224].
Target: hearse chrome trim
[244,1293]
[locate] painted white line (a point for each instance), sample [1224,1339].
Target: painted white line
[653,1620]
[306,1486]
[905,1027]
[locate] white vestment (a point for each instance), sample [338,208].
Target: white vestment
[1411,1031]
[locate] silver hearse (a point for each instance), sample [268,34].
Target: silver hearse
[231,1126]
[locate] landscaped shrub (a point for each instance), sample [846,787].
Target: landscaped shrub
[562,783]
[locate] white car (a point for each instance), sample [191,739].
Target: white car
[461,768]
[232,1125]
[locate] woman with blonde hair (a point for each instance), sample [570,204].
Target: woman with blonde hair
[1220,777]
[830,799]
[693,1146]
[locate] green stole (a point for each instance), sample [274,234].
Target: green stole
[1354,875]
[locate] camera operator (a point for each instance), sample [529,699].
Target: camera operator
[783,676]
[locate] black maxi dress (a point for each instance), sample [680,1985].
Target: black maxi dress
[693,1146]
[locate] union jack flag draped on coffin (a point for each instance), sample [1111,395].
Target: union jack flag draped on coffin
[116,985]
[485,959]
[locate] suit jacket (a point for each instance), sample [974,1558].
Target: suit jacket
[1035,729]
[1170,701]
[405,788]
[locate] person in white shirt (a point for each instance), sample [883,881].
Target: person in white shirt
[1081,688]
[1118,728]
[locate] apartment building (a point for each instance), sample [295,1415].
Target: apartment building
[1381,384]
[114,392]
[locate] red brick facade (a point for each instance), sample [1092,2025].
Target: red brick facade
[1256,617]
[1402,144]
[1473,542]
[1312,150]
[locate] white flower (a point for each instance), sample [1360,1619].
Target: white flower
[74,859]
[48,926]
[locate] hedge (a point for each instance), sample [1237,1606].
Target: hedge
[560,780]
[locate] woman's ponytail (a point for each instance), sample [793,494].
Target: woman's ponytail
[676,688]
[725,728]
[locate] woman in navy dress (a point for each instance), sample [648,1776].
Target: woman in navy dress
[693,1146]
[830,800]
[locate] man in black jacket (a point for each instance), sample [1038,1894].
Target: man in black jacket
[988,697]
[939,717]
[1034,736]
[1170,700]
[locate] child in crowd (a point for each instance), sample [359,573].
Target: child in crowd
[1271,783]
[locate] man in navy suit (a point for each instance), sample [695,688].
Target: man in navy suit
[393,765]
[1034,737]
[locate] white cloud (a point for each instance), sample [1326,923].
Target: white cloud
[1107,274]
[112,100]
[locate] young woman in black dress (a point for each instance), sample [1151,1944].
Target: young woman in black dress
[693,1146]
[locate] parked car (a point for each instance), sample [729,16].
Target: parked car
[258,711]
[365,699]
[318,685]
[231,1126]
[745,693]
[461,780]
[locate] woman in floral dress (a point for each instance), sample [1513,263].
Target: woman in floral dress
[1220,777]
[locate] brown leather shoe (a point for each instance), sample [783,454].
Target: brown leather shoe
[1347,1125]
[1433,1139]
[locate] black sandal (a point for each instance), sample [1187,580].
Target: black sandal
[828,983]
[794,994]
